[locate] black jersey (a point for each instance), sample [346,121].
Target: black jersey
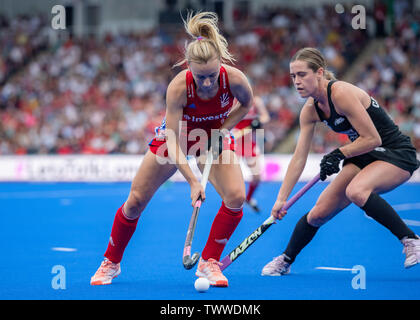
[389,132]
[396,148]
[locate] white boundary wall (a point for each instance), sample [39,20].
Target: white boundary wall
[97,168]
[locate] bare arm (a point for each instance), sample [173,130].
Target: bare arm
[298,161]
[242,91]
[349,105]
[175,101]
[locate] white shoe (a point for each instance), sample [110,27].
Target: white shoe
[412,251]
[277,267]
[107,271]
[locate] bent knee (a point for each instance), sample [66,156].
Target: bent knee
[357,194]
[135,203]
[318,216]
[235,199]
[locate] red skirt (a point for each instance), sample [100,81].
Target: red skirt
[192,148]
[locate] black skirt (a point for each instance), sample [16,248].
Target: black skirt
[403,157]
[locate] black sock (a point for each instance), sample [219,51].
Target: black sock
[379,210]
[301,236]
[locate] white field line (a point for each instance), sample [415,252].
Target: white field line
[414,223]
[335,269]
[406,206]
[62,249]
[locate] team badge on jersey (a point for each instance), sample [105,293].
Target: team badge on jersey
[224,100]
[338,121]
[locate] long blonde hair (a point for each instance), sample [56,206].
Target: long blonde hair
[207,42]
[315,60]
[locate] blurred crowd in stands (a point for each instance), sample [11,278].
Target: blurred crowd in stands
[21,38]
[90,96]
[391,75]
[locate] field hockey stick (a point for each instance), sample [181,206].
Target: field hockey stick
[235,253]
[187,260]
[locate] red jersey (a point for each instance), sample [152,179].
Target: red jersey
[199,113]
[207,114]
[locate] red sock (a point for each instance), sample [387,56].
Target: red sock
[121,233]
[252,187]
[222,228]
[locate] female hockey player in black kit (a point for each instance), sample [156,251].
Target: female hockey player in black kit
[378,159]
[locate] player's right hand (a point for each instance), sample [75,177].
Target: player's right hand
[277,211]
[197,190]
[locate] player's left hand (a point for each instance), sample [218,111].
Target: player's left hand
[330,163]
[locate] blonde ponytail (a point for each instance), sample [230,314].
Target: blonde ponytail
[207,42]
